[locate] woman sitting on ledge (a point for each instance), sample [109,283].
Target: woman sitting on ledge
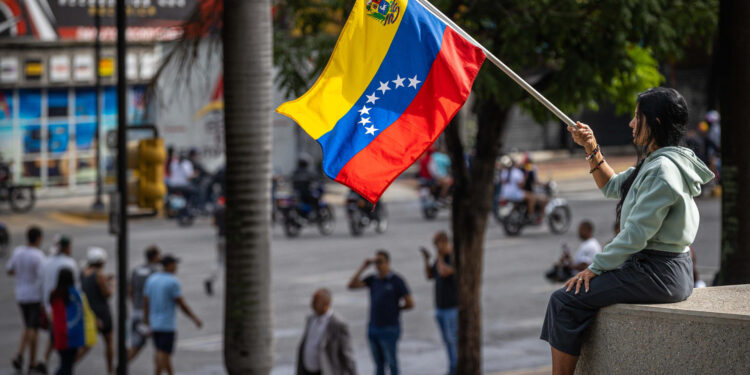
[649,260]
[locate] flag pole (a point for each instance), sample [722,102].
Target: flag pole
[508,71]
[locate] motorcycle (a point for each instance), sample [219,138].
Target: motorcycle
[557,212]
[20,197]
[296,214]
[177,206]
[430,200]
[362,214]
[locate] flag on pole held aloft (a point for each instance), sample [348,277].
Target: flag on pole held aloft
[396,77]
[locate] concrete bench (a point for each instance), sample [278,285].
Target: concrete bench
[709,333]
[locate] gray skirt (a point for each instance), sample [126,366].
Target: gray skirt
[648,276]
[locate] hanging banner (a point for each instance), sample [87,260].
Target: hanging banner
[83,67]
[33,69]
[8,70]
[59,68]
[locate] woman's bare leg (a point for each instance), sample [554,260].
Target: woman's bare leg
[563,363]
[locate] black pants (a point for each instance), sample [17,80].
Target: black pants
[67,359]
[648,276]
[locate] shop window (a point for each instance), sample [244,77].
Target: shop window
[85,102]
[57,103]
[6,106]
[57,143]
[85,135]
[30,104]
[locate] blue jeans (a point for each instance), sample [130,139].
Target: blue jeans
[383,341]
[447,320]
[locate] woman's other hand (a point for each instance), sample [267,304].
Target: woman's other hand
[580,279]
[583,135]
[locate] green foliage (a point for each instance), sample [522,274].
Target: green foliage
[578,53]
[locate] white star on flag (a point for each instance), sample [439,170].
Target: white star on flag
[364,110]
[399,82]
[371,130]
[372,98]
[364,121]
[383,87]
[413,82]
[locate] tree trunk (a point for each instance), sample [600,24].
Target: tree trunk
[248,328]
[734,39]
[472,201]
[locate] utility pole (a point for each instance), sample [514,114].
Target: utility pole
[122,188]
[98,205]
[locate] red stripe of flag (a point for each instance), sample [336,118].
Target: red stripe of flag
[59,324]
[443,93]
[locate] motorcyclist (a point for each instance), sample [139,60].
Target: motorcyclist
[513,181]
[303,183]
[181,173]
[529,184]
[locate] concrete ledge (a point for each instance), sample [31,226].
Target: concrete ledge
[709,333]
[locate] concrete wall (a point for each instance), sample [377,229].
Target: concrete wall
[707,334]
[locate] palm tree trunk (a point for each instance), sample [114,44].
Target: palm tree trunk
[248,328]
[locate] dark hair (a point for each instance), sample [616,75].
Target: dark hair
[151,253]
[663,111]
[588,225]
[384,254]
[33,234]
[64,282]
[440,236]
[64,242]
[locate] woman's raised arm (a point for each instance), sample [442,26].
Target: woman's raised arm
[599,169]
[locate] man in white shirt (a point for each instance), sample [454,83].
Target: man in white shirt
[26,265]
[512,180]
[181,171]
[569,265]
[326,347]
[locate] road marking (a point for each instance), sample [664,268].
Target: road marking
[68,219]
[215,342]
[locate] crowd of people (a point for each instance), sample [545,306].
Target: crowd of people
[73,305]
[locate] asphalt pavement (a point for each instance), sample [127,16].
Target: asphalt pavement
[514,293]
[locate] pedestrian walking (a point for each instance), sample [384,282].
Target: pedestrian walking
[389,295]
[162,294]
[98,288]
[326,347]
[26,266]
[221,244]
[138,330]
[443,272]
[73,322]
[649,260]
[60,259]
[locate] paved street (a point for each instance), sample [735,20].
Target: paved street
[514,292]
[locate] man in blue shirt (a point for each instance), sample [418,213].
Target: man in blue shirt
[161,295]
[387,291]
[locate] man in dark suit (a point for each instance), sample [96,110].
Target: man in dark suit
[326,347]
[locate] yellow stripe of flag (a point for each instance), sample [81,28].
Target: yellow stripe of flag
[360,50]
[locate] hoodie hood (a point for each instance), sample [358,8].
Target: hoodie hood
[693,170]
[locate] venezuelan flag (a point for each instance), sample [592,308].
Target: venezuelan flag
[73,323]
[396,77]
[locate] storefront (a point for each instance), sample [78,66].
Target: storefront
[48,95]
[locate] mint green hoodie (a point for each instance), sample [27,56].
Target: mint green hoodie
[659,212]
